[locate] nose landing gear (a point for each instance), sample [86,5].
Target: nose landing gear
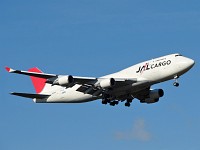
[176,84]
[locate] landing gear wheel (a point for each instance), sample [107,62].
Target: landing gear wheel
[116,102]
[112,103]
[129,100]
[176,84]
[127,104]
[104,102]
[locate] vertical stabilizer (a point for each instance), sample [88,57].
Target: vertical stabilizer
[38,83]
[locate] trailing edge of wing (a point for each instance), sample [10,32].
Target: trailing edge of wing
[29,95]
[34,74]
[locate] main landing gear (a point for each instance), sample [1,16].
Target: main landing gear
[176,84]
[116,102]
[109,99]
[128,102]
[112,103]
[104,101]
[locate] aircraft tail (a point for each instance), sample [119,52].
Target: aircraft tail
[42,88]
[38,83]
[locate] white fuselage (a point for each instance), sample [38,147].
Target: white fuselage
[155,71]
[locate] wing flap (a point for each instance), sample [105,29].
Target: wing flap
[30,95]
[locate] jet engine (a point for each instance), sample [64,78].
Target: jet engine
[154,96]
[64,80]
[107,83]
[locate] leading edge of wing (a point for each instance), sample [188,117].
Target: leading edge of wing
[77,79]
[30,95]
[34,74]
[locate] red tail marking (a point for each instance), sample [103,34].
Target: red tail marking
[38,83]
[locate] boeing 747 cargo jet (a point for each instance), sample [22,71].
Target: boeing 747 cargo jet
[125,85]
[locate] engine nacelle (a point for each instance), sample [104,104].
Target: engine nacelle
[154,96]
[107,83]
[64,80]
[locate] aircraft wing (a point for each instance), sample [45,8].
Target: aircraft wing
[29,73]
[76,79]
[52,77]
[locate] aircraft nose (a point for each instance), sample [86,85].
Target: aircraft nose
[190,62]
[186,64]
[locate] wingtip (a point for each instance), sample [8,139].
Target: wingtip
[9,69]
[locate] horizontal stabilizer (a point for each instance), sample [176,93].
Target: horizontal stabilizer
[29,95]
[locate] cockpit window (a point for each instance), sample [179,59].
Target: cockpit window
[178,55]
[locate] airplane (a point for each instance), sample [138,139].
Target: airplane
[122,86]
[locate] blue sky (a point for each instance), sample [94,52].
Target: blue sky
[95,38]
